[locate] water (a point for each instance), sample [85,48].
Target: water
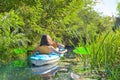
[11,72]
[66,71]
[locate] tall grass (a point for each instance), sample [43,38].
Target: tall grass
[105,52]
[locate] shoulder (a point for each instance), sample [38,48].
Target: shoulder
[44,47]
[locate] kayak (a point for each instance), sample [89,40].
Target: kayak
[38,59]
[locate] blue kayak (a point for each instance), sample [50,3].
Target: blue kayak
[39,59]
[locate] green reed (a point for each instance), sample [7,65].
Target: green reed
[105,52]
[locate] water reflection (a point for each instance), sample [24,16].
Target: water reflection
[44,68]
[10,72]
[55,71]
[52,71]
[45,71]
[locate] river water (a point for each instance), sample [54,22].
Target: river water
[67,68]
[66,71]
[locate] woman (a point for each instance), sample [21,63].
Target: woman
[48,46]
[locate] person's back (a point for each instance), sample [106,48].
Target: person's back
[48,46]
[44,49]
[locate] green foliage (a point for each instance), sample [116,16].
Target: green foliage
[118,7]
[23,22]
[73,22]
[105,53]
[19,51]
[81,50]
[19,63]
[11,26]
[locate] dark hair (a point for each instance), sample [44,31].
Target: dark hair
[44,41]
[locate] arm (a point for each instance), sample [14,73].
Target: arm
[57,51]
[60,45]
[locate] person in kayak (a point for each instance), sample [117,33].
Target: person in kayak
[47,45]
